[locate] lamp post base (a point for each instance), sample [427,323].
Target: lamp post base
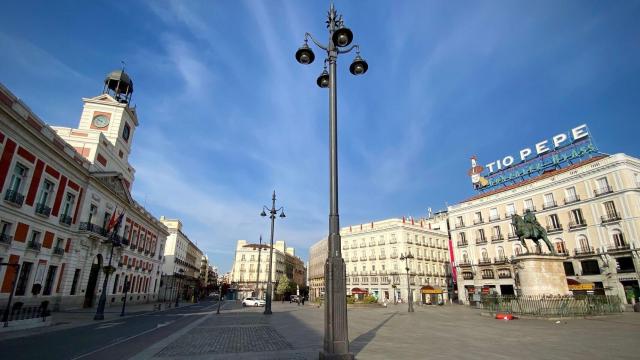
[331,356]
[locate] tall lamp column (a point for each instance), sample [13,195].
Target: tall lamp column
[409,294]
[336,339]
[272,215]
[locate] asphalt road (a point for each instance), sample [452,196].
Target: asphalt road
[115,339]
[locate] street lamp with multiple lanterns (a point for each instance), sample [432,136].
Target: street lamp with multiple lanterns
[336,339]
[409,294]
[273,212]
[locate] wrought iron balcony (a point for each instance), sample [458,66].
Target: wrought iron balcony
[610,217]
[577,225]
[500,260]
[549,205]
[394,256]
[467,275]
[531,208]
[381,242]
[382,257]
[372,257]
[58,251]
[14,197]
[65,220]
[571,199]
[5,239]
[488,275]
[484,262]
[603,190]
[362,245]
[513,236]
[504,274]
[43,209]
[494,218]
[481,241]
[93,228]
[459,225]
[554,229]
[584,251]
[497,238]
[619,247]
[34,245]
[478,221]
[354,258]
[393,241]
[462,243]
[464,264]
[124,241]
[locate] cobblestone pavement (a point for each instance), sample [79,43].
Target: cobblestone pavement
[446,332]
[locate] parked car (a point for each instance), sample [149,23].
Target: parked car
[251,301]
[294,298]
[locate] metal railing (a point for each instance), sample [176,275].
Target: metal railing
[494,218]
[462,243]
[478,221]
[459,225]
[481,241]
[58,251]
[6,239]
[34,245]
[584,251]
[65,220]
[19,312]
[619,247]
[43,209]
[544,306]
[576,225]
[496,238]
[571,199]
[610,217]
[549,205]
[86,226]
[552,229]
[14,197]
[603,190]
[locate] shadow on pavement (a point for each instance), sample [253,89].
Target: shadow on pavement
[361,341]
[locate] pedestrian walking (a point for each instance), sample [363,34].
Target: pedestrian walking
[303,301]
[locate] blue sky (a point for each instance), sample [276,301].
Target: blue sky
[227,115]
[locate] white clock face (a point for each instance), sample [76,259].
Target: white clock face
[100,121]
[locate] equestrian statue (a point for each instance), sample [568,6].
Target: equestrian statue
[528,227]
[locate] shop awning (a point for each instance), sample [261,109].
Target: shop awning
[575,285]
[359,291]
[427,289]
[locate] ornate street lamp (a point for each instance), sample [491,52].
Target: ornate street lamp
[336,339]
[113,239]
[409,294]
[273,212]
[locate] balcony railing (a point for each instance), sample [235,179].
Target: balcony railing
[481,241]
[584,251]
[513,236]
[484,262]
[549,205]
[531,208]
[14,197]
[394,256]
[462,243]
[610,217]
[488,275]
[500,260]
[504,274]
[494,218]
[372,257]
[86,226]
[5,239]
[603,190]
[554,229]
[497,238]
[464,264]
[619,247]
[577,225]
[34,245]
[478,221]
[467,275]
[58,251]
[382,257]
[571,199]
[65,220]
[459,225]
[393,241]
[43,209]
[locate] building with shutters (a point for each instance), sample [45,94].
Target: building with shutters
[591,212]
[60,188]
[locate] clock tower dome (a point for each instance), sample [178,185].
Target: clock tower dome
[107,125]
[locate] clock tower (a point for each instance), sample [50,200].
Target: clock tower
[107,125]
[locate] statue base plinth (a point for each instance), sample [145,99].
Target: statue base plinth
[541,275]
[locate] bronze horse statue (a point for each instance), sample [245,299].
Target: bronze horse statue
[529,228]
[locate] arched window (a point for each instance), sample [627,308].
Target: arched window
[485,255]
[618,239]
[465,257]
[517,250]
[560,246]
[500,253]
[584,244]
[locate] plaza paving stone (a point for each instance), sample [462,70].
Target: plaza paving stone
[435,332]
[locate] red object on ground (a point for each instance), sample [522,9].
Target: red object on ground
[501,316]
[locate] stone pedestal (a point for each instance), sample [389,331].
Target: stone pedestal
[541,275]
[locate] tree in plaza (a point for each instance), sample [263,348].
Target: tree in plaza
[283,285]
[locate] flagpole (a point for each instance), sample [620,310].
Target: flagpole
[103,296]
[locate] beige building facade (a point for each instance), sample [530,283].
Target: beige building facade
[591,211]
[317,258]
[372,254]
[181,269]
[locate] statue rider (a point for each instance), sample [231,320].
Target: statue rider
[530,218]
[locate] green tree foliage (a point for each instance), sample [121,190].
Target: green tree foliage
[283,285]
